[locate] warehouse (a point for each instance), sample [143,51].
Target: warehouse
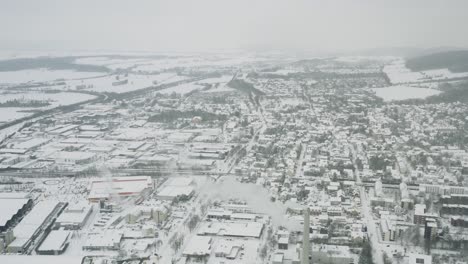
[176,188]
[31,226]
[12,210]
[105,241]
[234,229]
[74,217]
[119,187]
[55,244]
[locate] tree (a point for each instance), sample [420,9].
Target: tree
[264,252]
[302,194]
[366,254]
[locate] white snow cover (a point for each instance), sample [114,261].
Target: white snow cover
[400,92]
[10,207]
[38,259]
[42,75]
[182,89]
[8,114]
[399,74]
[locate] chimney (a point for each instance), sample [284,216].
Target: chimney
[306,237]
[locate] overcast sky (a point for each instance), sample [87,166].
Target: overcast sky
[203,25]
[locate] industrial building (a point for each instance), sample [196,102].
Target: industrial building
[119,187]
[12,210]
[103,241]
[74,217]
[176,187]
[55,243]
[33,225]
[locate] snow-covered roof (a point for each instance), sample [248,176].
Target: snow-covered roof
[198,246]
[9,207]
[32,222]
[119,185]
[55,241]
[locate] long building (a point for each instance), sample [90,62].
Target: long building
[12,209]
[32,225]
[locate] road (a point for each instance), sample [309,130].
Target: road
[367,217]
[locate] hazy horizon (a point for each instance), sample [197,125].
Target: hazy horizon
[207,25]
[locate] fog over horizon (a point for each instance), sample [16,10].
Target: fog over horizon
[209,25]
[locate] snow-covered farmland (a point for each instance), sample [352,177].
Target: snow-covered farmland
[399,92]
[55,99]
[135,82]
[8,114]
[398,73]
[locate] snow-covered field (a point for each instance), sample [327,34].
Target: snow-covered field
[135,82]
[8,114]
[399,74]
[42,75]
[55,99]
[399,92]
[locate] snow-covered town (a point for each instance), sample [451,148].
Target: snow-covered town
[242,159]
[233,132]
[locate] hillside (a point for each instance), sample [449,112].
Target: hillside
[455,61]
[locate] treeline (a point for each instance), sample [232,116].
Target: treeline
[244,86]
[173,115]
[53,63]
[24,103]
[455,61]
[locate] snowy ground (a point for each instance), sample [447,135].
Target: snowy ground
[400,92]
[8,114]
[182,89]
[135,82]
[42,75]
[399,74]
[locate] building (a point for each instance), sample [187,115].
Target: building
[73,157]
[12,210]
[74,217]
[103,241]
[233,229]
[331,254]
[176,188]
[198,248]
[278,258]
[387,229]
[419,259]
[420,214]
[430,229]
[219,214]
[158,214]
[228,249]
[118,187]
[283,243]
[32,225]
[55,243]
